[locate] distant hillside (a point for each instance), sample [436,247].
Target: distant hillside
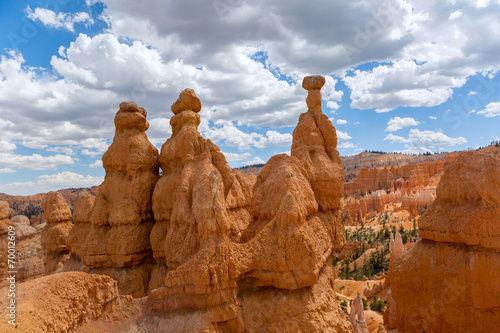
[353,164]
[30,205]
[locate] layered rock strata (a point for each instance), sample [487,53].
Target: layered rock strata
[56,231]
[448,282]
[111,234]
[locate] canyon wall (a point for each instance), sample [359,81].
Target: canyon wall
[407,187]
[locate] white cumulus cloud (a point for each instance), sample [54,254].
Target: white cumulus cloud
[256,160]
[398,123]
[34,161]
[59,20]
[423,141]
[343,136]
[491,110]
[231,157]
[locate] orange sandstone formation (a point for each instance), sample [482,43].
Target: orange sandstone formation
[448,282]
[29,262]
[111,236]
[4,217]
[5,223]
[407,187]
[249,254]
[198,205]
[357,316]
[396,249]
[55,233]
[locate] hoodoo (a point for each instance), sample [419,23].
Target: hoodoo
[111,234]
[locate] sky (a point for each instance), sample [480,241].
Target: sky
[401,76]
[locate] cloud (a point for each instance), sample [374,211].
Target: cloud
[343,136]
[60,20]
[96,164]
[274,139]
[398,123]
[35,161]
[91,153]
[491,110]
[231,157]
[346,145]
[64,150]
[432,117]
[232,136]
[6,146]
[332,105]
[403,83]
[256,160]
[7,170]
[286,34]
[341,122]
[51,182]
[456,15]
[423,141]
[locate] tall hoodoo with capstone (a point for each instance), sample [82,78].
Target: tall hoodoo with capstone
[199,206]
[112,231]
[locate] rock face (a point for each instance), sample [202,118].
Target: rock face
[30,263]
[26,242]
[249,253]
[111,234]
[56,232]
[448,282]
[4,217]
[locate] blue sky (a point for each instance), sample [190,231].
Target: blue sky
[406,76]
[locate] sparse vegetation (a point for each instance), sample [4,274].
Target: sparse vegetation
[378,305]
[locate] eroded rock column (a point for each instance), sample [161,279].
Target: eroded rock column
[55,233]
[112,231]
